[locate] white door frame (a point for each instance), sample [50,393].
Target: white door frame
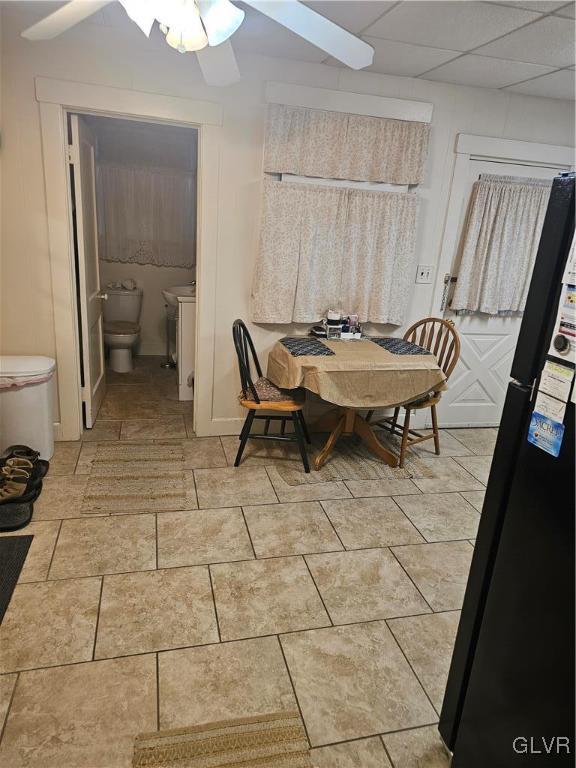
[56,98]
[469,148]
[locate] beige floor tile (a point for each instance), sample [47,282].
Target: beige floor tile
[364,585]
[102,430]
[101,545]
[49,623]
[478,466]
[63,462]
[7,683]
[306,492]
[80,716]
[440,571]
[260,452]
[189,424]
[428,642]
[290,529]
[375,522]
[223,681]
[61,498]
[40,553]
[138,375]
[364,488]
[128,409]
[365,753]
[480,441]
[353,682]
[448,476]
[233,487]
[203,453]
[88,453]
[164,428]
[203,536]
[417,748]
[449,445]
[441,516]
[264,597]
[476,498]
[155,610]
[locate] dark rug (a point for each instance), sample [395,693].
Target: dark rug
[13,551]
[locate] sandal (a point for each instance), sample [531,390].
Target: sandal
[24,453]
[16,486]
[36,470]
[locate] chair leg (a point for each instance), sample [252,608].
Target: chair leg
[404,443]
[244,436]
[369,416]
[244,427]
[435,430]
[394,420]
[304,427]
[300,439]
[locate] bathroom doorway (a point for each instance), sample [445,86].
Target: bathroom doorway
[133,208]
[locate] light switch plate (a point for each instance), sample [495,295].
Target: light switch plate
[424,273]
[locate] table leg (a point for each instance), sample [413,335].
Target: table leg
[368,436]
[330,443]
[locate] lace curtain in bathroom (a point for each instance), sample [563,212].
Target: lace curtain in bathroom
[147,215]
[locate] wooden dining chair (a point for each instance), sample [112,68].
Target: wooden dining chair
[441,338]
[263,395]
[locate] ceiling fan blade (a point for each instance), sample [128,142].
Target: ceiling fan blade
[64,18]
[318,30]
[218,64]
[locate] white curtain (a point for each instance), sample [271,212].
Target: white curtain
[336,145]
[147,215]
[499,244]
[333,247]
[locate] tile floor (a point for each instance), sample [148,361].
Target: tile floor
[340,598]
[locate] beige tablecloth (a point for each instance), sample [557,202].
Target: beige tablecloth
[359,375]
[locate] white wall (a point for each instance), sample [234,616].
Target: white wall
[124,58]
[151,279]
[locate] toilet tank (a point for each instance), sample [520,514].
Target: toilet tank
[122,304]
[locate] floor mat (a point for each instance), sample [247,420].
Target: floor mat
[352,460]
[131,477]
[267,741]
[13,551]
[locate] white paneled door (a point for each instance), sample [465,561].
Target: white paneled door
[477,387]
[83,170]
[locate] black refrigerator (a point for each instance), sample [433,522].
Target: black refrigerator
[509,699]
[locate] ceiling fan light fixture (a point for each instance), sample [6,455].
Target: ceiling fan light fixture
[220,18]
[184,27]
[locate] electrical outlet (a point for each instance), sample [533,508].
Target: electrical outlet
[424,273]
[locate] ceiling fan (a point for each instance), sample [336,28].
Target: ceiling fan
[205,26]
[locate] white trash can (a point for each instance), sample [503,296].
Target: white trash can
[26,399]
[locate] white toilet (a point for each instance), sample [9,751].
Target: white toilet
[121,329]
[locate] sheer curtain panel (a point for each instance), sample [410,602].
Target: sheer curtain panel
[499,244]
[333,247]
[147,215]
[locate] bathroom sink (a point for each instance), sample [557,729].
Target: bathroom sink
[171,295]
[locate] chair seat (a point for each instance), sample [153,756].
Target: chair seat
[432,398]
[272,397]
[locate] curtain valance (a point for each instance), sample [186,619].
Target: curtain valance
[336,145]
[147,215]
[333,247]
[499,244]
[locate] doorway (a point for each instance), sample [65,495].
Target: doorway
[133,210]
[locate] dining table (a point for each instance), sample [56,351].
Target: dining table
[353,375]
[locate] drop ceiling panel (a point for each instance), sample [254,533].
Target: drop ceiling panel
[549,41]
[393,58]
[558,85]
[485,72]
[450,25]
[353,15]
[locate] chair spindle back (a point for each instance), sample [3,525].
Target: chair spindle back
[439,337]
[244,351]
